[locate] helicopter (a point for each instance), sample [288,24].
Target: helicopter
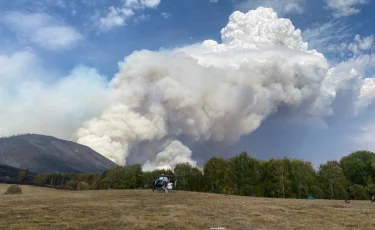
[163,183]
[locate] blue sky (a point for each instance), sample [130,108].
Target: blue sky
[187,22]
[59,35]
[100,48]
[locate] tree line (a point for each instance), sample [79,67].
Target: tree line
[352,177]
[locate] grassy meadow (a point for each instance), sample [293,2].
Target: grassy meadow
[46,208]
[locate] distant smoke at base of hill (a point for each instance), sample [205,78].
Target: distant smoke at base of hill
[207,92]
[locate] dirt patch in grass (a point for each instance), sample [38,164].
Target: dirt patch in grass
[45,208]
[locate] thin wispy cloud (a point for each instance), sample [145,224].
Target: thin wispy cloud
[166,15]
[282,7]
[328,37]
[342,8]
[41,29]
[118,16]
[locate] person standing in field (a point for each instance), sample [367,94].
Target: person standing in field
[372,199]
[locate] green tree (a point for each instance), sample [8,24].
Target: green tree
[246,175]
[316,192]
[217,175]
[333,180]
[22,176]
[132,177]
[189,178]
[196,180]
[129,177]
[83,186]
[303,176]
[277,178]
[358,192]
[370,188]
[184,177]
[148,179]
[358,167]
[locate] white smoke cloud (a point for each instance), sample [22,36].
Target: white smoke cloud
[211,91]
[31,101]
[113,133]
[173,154]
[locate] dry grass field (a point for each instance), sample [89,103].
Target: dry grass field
[44,208]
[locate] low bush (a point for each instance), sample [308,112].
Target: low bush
[83,186]
[13,189]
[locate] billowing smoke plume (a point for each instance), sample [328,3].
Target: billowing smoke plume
[214,91]
[173,154]
[32,101]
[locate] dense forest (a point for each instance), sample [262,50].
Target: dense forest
[350,178]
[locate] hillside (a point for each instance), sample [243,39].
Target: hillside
[9,174]
[40,153]
[45,208]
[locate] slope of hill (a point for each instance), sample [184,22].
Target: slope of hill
[40,153]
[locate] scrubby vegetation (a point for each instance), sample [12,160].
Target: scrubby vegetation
[45,208]
[13,189]
[9,174]
[350,178]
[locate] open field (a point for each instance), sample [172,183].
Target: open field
[45,208]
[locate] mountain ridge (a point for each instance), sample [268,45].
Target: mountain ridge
[48,154]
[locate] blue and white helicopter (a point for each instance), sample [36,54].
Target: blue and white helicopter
[163,183]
